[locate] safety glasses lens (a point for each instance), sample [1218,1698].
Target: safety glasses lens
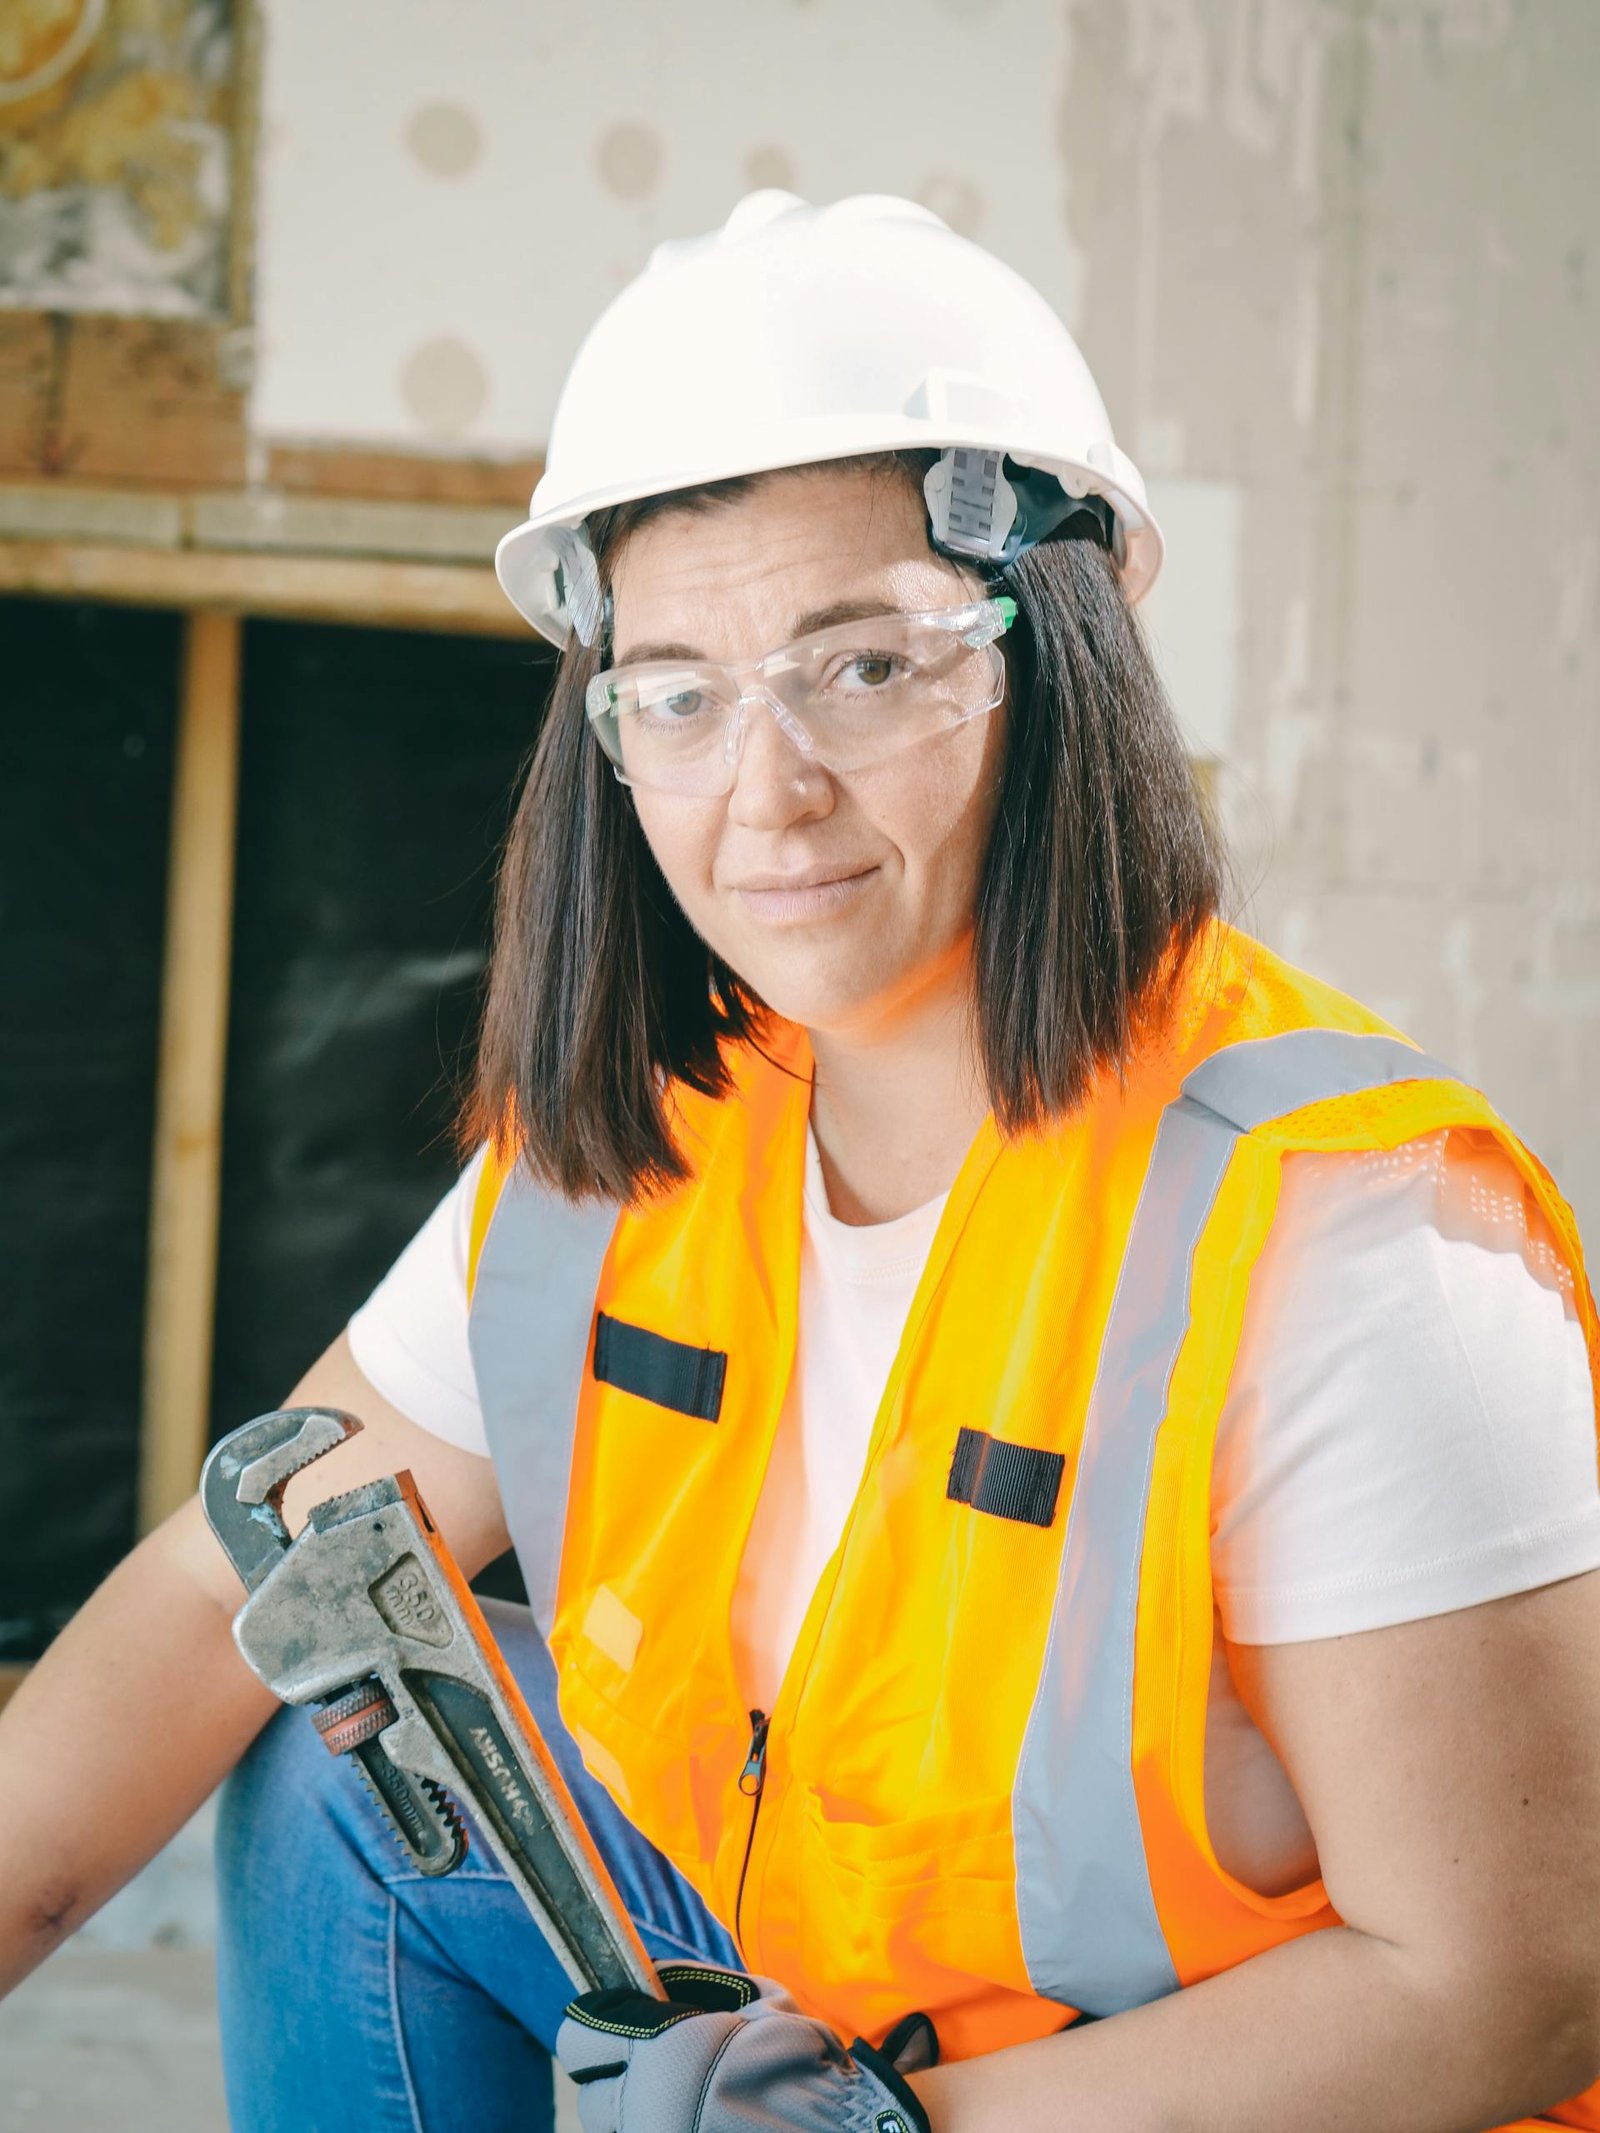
[850,696]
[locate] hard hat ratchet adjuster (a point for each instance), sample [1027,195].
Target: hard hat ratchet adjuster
[986,505]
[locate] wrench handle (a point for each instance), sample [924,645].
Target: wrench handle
[533,1835]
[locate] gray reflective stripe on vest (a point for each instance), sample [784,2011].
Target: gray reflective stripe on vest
[1090,1933]
[529,1330]
[1249,1083]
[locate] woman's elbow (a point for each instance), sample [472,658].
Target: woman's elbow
[1566,2030]
[1535,2020]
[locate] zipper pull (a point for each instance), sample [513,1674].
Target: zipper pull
[751,1779]
[754,1774]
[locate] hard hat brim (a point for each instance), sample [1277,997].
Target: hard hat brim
[526,556]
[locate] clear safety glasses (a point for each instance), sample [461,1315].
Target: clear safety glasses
[848,696]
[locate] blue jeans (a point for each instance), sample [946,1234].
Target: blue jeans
[356,1995]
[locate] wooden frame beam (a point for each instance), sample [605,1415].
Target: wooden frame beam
[376,592]
[186,1184]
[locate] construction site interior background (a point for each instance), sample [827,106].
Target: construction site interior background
[286,294]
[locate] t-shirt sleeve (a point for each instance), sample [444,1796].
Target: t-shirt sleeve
[1410,1426]
[410,1336]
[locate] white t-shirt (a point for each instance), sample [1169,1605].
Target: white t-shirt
[1409,1426]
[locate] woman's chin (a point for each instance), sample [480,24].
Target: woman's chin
[814,999]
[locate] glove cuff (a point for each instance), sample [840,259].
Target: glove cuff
[903,2112]
[912,2045]
[704,1986]
[691,1989]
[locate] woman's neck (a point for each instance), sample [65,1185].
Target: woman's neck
[895,1107]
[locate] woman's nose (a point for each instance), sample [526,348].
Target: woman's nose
[776,777]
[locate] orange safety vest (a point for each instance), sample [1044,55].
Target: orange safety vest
[979,1792]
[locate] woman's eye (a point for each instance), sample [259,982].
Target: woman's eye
[871,670]
[675,709]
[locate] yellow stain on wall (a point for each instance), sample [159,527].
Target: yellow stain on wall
[115,124]
[44,47]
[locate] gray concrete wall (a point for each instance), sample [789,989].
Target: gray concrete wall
[1345,257]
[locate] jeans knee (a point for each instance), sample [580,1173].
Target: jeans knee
[287,1809]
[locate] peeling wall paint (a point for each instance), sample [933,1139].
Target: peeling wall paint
[115,178]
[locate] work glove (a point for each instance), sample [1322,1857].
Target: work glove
[724,2053]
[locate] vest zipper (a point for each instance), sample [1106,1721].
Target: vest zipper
[752,1780]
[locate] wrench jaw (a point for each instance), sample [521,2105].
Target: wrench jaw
[244,1477]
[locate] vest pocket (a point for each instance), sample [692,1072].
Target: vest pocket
[922,1906]
[965,1850]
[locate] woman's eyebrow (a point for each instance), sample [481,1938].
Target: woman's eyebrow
[816,618]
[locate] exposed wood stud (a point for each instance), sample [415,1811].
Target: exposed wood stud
[186,1184]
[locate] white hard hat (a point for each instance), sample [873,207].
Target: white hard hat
[796,333]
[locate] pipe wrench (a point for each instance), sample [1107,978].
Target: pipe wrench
[365,1616]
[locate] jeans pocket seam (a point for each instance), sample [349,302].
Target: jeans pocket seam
[402,2057]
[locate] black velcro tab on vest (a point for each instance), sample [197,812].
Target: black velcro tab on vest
[688,1380]
[1011,1480]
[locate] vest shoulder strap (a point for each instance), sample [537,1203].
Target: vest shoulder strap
[1263,1078]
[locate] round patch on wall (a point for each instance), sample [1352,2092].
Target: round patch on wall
[444,386]
[770,165]
[444,138]
[628,157]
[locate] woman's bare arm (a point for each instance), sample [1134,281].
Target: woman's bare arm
[142,1704]
[1450,1771]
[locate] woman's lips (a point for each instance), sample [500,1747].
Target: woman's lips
[788,906]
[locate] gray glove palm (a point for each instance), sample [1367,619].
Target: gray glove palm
[724,2053]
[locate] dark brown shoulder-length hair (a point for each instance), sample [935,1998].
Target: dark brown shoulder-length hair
[1102,871]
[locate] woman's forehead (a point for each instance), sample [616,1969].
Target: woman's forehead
[758,569]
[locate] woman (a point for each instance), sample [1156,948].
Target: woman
[1055,1452]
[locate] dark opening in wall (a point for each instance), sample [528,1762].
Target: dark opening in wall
[86,741]
[377,776]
